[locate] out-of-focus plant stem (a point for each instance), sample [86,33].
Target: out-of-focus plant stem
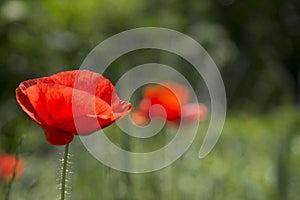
[10,183]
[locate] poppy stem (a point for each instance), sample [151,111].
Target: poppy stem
[64,173]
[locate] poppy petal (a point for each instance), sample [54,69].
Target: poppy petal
[24,102]
[72,102]
[140,118]
[7,164]
[172,99]
[83,80]
[58,106]
[194,112]
[169,95]
[57,137]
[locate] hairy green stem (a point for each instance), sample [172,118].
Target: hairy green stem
[64,173]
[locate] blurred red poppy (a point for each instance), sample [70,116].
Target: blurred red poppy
[174,104]
[7,163]
[54,103]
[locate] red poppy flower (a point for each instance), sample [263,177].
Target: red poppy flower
[71,102]
[7,163]
[174,99]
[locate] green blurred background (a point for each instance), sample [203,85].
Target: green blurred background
[256,46]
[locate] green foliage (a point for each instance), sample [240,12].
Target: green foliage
[256,47]
[257,157]
[255,43]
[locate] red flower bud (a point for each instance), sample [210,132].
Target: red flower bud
[7,163]
[173,100]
